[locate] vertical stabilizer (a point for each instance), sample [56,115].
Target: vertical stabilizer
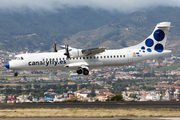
[156,41]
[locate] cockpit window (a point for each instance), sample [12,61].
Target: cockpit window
[18,58]
[14,58]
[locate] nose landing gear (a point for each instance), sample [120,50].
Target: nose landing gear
[15,73]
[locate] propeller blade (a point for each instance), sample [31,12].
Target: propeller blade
[55,49]
[67,50]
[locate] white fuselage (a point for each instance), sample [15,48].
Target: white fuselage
[57,60]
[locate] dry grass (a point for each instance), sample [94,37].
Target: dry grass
[90,113]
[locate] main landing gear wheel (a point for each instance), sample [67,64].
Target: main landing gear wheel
[85,71]
[16,74]
[79,71]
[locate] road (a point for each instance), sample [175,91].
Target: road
[148,104]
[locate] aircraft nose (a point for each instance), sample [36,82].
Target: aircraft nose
[7,65]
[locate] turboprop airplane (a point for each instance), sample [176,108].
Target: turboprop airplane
[82,60]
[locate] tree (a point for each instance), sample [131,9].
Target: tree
[28,86]
[117,97]
[7,86]
[133,96]
[18,87]
[93,94]
[37,86]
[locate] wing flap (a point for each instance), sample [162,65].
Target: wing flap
[93,51]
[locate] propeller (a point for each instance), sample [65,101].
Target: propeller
[54,46]
[67,50]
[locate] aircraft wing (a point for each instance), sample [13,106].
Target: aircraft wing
[93,51]
[89,51]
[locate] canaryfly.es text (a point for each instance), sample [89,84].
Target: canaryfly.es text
[46,63]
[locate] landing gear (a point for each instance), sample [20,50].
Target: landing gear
[15,74]
[79,71]
[85,71]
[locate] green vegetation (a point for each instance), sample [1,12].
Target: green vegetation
[17,29]
[173,67]
[117,97]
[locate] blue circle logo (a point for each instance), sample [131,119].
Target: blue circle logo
[159,47]
[142,48]
[149,42]
[159,35]
[149,50]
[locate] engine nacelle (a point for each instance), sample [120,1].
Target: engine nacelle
[74,53]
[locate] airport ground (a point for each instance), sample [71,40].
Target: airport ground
[108,105]
[88,113]
[92,119]
[119,110]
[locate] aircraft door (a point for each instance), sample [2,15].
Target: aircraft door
[130,57]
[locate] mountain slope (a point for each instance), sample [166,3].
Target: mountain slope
[82,27]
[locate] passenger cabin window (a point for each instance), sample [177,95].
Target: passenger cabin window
[104,56]
[124,55]
[107,56]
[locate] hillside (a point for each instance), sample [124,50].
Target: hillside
[130,30]
[82,26]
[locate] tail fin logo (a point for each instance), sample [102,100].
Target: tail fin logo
[158,35]
[156,42]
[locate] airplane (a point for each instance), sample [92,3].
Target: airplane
[82,60]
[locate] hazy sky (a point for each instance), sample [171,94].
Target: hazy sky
[120,5]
